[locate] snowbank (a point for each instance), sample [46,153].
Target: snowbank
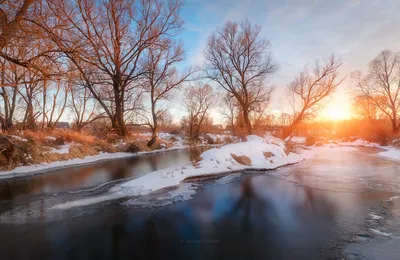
[265,154]
[359,142]
[391,153]
[54,166]
[61,150]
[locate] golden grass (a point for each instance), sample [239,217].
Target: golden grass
[244,160]
[268,155]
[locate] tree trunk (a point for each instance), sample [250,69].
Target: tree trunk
[395,127]
[287,131]
[154,127]
[153,136]
[118,122]
[247,121]
[30,118]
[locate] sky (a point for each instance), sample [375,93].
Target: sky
[300,31]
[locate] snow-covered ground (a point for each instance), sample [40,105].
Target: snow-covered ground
[53,166]
[391,153]
[178,142]
[264,154]
[62,149]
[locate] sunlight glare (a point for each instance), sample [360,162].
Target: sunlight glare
[337,112]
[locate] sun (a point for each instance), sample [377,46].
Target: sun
[336,112]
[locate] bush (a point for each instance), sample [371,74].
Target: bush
[209,139]
[81,151]
[228,140]
[310,140]
[15,153]
[104,146]
[382,137]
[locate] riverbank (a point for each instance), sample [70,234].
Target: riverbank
[38,153]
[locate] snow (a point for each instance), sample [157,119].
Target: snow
[394,198]
[216,161]
[18,138]
[183,192]
[298,139]
[53,166]
[359,142]
[61,150]
[315,150]
[228,178]
[379,233]
[391,153]
[374,216]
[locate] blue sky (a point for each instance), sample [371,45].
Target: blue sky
[300,31]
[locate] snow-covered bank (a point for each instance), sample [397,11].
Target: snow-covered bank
[390,153]
[54,166]
[262,154]
[35,169]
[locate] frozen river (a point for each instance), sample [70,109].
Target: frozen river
[340,203]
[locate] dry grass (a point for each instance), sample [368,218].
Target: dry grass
[268,155]
[244,160]
[61,137]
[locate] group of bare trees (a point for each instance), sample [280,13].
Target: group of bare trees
[97,58]
[379,89]
[118,60]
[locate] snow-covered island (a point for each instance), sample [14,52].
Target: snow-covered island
[257,153]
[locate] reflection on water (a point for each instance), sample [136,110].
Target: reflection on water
[258,217]
[91,175]
[308,215]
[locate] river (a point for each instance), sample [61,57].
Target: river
[335,205]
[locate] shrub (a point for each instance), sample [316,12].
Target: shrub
[106,147]
[81,151]
[209,139]
[382,137]
[172,139]
[228,140]
[310,140]
[244,160]
[15,153]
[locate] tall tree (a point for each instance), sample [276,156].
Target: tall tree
[382,85]
[239,62]
[308,90]
[105,41]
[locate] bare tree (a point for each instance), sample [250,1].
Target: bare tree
[29,93]
[161,79]
[21,32]
[382,85]
[308,90]
[198,101]
[58,93]
[84,107]
[105,41]
[11,15]
[240,63]
[9,74]
[366,108]
[229,111]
